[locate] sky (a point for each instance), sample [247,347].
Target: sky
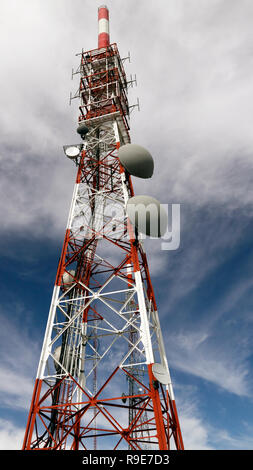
[194,65]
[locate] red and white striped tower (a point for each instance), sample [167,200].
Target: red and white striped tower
[103,322]
[103,27]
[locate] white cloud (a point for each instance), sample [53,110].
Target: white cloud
[194,429]
[16,388]
[240,441]
[195,435]
[199,434]
[19,356]
[200,125]
[197,353]
[11,436]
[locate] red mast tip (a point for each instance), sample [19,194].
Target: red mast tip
[103,27]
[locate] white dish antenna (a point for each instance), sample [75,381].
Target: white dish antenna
[136,160]
[68,277]
[72,152]
[161,373]
[147,215]
[82,130]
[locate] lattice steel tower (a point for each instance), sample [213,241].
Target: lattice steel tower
[103,380]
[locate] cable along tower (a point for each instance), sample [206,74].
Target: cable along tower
[103,379]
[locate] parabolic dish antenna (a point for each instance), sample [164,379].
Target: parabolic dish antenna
[82,129]
[136,160]
[68,277]
[147,215]
[161,373]
[72,152]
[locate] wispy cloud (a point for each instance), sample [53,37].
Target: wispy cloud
[198,353]
[11,436]
[19,355]
[223,439]
[194,429]
[197,430]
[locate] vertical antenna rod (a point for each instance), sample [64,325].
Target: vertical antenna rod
[103,27]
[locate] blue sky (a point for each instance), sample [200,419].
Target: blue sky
[194,66]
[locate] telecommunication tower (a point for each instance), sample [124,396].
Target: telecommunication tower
[103,379]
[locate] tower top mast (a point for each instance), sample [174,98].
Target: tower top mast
[103,27]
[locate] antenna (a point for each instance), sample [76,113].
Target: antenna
[103,379]
[103,27]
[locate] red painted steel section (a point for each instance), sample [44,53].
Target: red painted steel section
[103,40]
[103,12]
[103,36]
[32,415]
[61,265]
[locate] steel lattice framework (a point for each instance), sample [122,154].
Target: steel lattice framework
[95,384]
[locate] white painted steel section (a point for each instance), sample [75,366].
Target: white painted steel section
[81,376]
[116,131]
[103,26]
[46,348]
[123,176]
[145,332]
[72,206]
[125,192]
[98,215]
[163,353]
